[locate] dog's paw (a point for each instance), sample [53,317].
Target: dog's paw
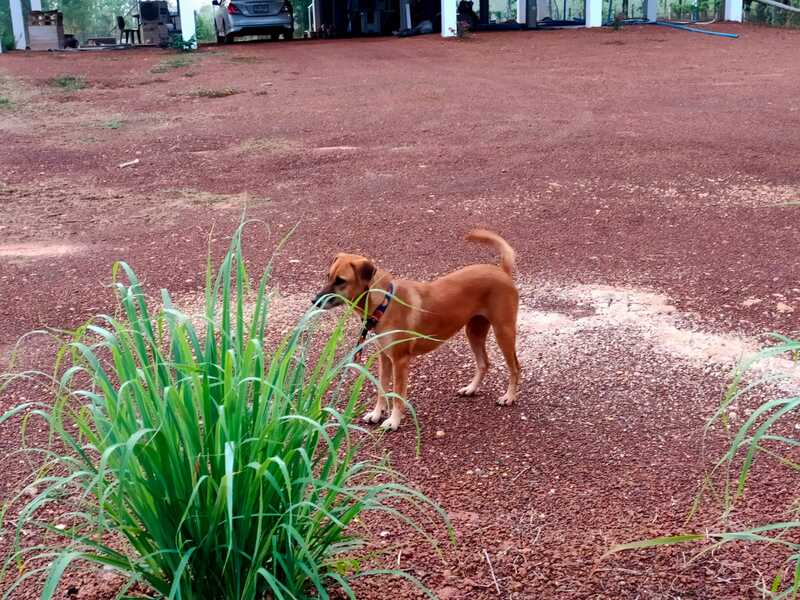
[506,400]
[467,390]
[391,424]
[372,416]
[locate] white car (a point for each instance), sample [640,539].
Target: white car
[234,18]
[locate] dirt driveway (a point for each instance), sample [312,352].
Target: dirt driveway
[641,175]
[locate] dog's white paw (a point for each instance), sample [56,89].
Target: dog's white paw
[467,390]
[391,424]
[373,416]
[506,399]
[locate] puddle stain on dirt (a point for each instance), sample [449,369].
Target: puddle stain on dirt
[34,250]
[648,318]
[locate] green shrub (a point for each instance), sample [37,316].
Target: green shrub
[204,25]
[7,40]
[768,430]
[205,466]
[6,34]
[177,42]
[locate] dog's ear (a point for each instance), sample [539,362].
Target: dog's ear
[332,268]
[366,270]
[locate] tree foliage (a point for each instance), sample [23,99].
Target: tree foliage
[6,35]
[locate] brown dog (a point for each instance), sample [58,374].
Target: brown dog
[478,296]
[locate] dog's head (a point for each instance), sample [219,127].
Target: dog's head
[349,276]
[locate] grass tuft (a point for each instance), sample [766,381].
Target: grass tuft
[248,60]
[215,93]
[177,62]
[200,463]
[112,124]
[5,102]
[769,431]
[68,82]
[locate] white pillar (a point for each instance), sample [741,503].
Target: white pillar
[733,10]
[652,10]
[18,25]
[593,10]
[522,11]
[317,12]
[186,10]
[449,18]
[405,15]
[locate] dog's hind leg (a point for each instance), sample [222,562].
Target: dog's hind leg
[400,381]
[477,329]
[506,335]
[385,377]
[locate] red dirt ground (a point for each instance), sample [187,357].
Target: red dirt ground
[645,159]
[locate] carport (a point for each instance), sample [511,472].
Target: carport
[526,15]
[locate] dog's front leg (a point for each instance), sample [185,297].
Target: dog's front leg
[385,377]
[400,380]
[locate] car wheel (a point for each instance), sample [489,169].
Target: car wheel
[288,36]
[274,36]
[228,38]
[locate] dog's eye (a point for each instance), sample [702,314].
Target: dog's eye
[339,281]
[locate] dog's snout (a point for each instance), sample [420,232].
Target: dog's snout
[326,300]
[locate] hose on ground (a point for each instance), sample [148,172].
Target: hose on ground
[695,30]
[684,26]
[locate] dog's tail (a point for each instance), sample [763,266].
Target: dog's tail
[507,254]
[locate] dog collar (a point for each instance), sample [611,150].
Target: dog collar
[373,320]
